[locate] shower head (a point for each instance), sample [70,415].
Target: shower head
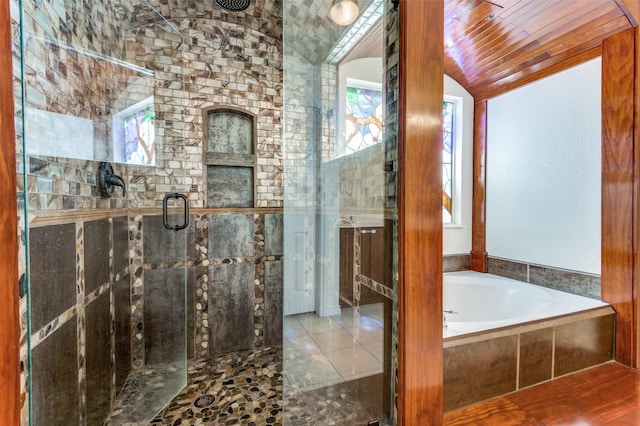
[233,5]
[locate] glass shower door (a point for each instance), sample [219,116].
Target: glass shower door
[339,214]
[106,223]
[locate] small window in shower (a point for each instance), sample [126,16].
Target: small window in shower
[134,134]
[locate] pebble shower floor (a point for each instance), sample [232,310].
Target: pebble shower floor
[245,388]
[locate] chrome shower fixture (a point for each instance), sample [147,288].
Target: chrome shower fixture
[233,5]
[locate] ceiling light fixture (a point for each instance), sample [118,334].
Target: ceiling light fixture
[344,12]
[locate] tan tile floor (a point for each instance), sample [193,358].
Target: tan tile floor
[323,351]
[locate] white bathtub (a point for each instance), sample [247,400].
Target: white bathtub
[484,302]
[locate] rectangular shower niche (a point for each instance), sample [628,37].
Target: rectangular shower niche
[230,158]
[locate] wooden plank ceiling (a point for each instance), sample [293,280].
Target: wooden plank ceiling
[493,46]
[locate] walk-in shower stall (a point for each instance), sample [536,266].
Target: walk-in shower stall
[207,211]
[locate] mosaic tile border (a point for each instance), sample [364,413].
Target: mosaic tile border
[137,290]
[377,287]
[357,262]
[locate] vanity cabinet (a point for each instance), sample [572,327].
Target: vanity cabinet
[375,256]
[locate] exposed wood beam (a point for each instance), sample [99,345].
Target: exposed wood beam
[421,70]
[9,316]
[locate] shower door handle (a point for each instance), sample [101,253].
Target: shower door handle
[165,202]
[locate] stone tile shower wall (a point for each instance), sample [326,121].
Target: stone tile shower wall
[234,280]
[80,339]
[222,59]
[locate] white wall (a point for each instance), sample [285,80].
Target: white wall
[543,171]
[456,238]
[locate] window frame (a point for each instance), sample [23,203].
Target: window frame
[118,143]
[456,162]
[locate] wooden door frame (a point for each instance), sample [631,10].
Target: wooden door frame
[9,313]
[420,95]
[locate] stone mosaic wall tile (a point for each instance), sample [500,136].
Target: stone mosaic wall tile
[231,302]
[362,177]
[572,282]
[96,254]
[81,323]
[456,262]
[579,283]
[164,315]
[54,370]
[52,284]
[259,312]
[181,88]
[98,360]
[230,236]
[137,291]
[506,268]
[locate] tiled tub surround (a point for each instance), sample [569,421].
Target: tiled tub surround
[580,283]
[456,262]
[488,364]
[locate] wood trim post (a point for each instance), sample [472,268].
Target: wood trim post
[619,190]
[421,74]
[636,195]
[9,313]
[479,204]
